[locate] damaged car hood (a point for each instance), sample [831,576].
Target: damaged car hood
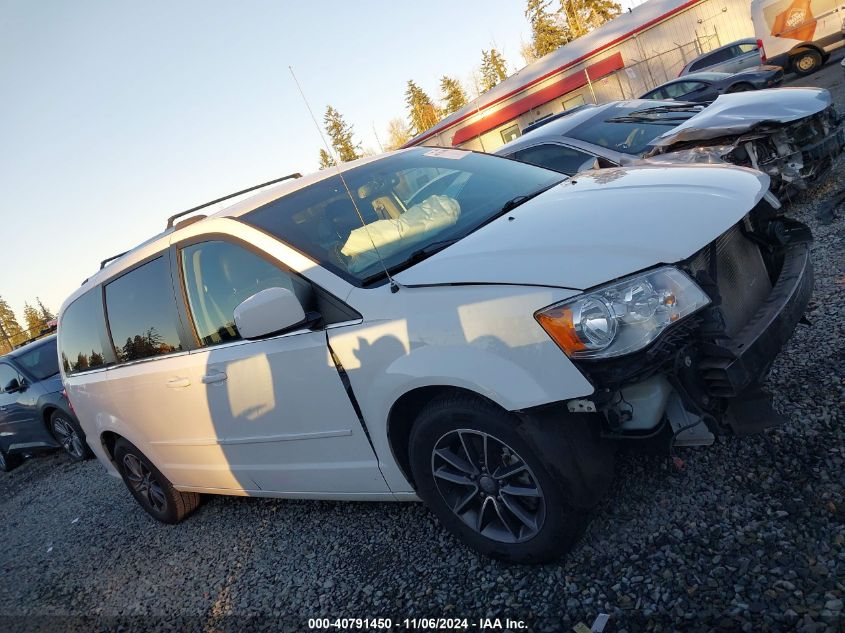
[741,112]
[599,226]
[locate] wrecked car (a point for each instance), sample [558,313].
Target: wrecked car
[437,325]
[791,134]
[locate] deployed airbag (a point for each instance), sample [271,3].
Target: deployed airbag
[432,215]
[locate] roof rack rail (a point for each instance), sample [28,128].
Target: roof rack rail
[176,216]
[110,259]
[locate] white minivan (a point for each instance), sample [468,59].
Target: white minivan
[441,325]
[798,35]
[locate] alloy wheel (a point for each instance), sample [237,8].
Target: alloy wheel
[68,437]
[488,486]
[144,482]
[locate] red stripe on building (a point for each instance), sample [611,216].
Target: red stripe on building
[639,29]
[536,99]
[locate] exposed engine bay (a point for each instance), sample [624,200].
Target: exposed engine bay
[703,377]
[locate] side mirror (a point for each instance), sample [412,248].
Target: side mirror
[13,386]
[271,311]
[590,163]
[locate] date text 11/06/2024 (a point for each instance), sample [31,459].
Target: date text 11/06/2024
[424,624]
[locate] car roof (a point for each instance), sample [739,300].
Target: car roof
[264,196]
[705,76]
[562,126]
[23,349]
[745,40]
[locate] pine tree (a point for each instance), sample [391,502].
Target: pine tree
[340,135]
[326,159]
[547,34]
[34,321]
[45,312]
[582,16]
[454,96]
[11,333]
[422,114]
[493,69]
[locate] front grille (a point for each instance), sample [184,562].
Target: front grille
[741,276]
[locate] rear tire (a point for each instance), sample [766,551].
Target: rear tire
[70,435]
[9,462]
[151,489]
[806,62]
[521,517]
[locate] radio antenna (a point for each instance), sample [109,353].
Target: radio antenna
[394,287]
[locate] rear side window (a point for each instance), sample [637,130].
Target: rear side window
[747,48]
[714,58]
[552,156]
[142,312]
[83,343]
[219,276]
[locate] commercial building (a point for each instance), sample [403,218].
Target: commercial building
[622,59]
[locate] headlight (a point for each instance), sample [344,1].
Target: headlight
[624,316]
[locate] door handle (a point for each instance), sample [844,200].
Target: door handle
[218,376]
[176,383]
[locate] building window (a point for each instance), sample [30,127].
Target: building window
[573,102]
[510,133]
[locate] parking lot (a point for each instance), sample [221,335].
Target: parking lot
[749,534]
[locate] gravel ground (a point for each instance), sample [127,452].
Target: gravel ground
[749,535]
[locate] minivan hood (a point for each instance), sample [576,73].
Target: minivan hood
[598,226]
[741,112]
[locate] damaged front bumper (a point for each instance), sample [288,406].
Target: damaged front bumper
[704,376]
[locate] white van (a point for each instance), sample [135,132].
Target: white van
[798,35]
[441,325]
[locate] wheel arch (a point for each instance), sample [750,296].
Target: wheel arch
[403,414]
[805,46]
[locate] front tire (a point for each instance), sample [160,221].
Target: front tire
[481,478]
[151,489]
[806,62]
[70,435]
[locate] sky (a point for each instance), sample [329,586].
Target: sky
[116,114]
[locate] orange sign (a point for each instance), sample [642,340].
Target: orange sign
[796,22]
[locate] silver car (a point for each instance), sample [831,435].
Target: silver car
[730,58]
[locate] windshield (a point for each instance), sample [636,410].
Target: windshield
[40,362]
[412,203]
[631,130]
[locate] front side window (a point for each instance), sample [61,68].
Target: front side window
[83,342]
[218,276]
[7,375]
[552,156]
[40,362]
[391,218]
[142,312]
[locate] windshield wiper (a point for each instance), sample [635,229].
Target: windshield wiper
[631,118]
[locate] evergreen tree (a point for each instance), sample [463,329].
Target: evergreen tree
[398,133]
[11,333]
[326,159]
[34,321]
[493,69]
[547,34]
[45,313]
[422,114]
[582,16]
[454,97]
[340,135]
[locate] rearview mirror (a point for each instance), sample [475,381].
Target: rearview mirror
[271,311]
[13,386]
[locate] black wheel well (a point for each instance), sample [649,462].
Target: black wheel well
[109,439]
[46,414]
[805,47]
[404,413]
